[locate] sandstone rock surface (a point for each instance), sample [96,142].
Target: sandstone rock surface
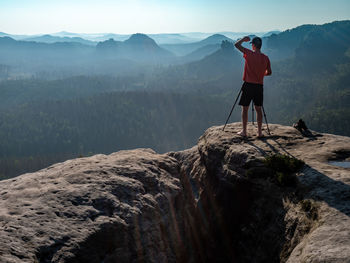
[96,209]
[325,185]
[197,205]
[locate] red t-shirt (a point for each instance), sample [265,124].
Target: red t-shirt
[255,66]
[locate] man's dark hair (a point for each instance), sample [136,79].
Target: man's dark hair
[257,42]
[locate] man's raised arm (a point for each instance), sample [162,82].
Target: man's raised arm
[238,44]
[268,71]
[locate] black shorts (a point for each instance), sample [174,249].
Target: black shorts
[252,91]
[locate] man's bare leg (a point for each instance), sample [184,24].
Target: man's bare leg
[259,119]
[243,132]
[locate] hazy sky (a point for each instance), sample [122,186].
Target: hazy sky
[165,16]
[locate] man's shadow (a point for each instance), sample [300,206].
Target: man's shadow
[323,188]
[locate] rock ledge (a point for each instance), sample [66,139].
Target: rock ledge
[196,205]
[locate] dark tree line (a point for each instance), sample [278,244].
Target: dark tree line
[34,133]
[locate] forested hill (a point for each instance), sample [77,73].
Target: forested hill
[314,82]
[43,121]
[185,49]
[309,40]
[35,134]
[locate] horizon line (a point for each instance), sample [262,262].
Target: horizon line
[124,34]
[189,32]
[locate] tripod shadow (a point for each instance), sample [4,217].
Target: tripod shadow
[272,148]
[320,186]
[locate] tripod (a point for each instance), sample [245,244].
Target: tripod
[234,104]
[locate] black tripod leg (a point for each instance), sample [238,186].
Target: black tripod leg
[267,125]
[253,113]
[232,109]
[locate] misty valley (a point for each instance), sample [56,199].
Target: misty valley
[64,97]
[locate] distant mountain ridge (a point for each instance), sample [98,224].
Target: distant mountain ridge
[53,39]
[201,52]
[160,38]
[267,34]
[140,39]
[12,44]
[30,56]
[185,49]
[139,47]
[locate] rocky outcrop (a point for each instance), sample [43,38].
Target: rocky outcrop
[215,202]
[264,222]
[99,209]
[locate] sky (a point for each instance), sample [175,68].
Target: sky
[165,16]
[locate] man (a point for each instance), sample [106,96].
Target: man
[256,67]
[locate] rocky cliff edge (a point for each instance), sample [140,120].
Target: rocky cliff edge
[215,202]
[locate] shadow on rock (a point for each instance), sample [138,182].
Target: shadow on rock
[323,188]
